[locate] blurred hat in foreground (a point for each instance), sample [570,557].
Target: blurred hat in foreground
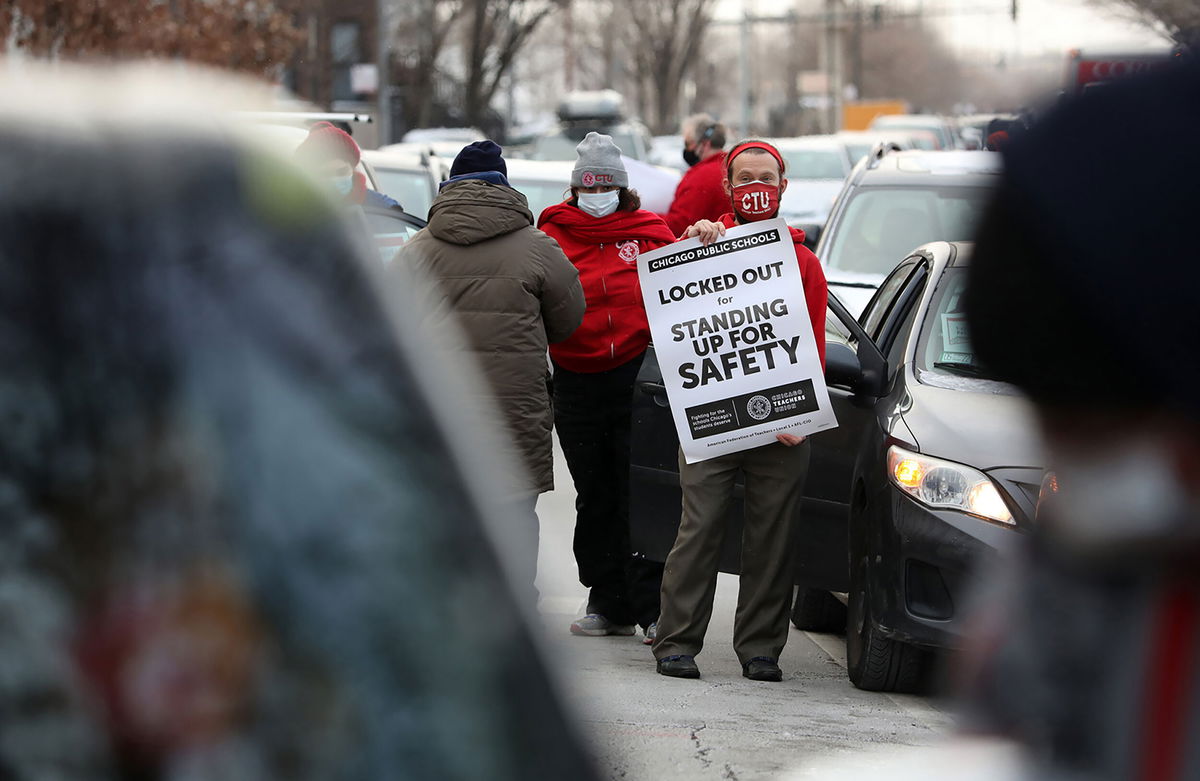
[1085,286]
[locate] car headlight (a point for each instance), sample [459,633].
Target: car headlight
[938,483]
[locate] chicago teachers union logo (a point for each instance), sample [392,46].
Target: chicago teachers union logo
[589,179]
[629,252]
[758,407]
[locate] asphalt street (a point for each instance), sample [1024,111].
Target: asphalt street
[647,726]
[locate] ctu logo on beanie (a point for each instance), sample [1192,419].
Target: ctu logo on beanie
[589,179]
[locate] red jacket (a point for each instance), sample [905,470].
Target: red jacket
[816,292]
[605,250]
[700,195]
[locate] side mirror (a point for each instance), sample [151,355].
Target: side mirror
[842,367]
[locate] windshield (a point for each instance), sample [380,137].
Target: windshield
[540,194]
[411,188]
[814,164]
[881,225]
[944,356]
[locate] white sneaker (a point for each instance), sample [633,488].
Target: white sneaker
[651,633]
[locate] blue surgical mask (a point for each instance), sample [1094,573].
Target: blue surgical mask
[342,185]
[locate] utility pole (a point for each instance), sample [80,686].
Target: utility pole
[744,70]
[569,46]
[834,27]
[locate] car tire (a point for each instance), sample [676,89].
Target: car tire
[816,610]
[877,663]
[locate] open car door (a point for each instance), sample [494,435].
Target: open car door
[854,366]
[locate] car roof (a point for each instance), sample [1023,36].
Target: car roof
[393,160]
[952,167]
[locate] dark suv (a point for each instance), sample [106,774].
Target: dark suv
[894,201]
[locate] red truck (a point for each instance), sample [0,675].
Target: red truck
[1087,70]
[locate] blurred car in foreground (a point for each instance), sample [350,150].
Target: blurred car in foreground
[236,475]
[411,178]
[895,201]
[933,465]
[816,169]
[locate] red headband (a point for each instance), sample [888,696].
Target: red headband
[742,147]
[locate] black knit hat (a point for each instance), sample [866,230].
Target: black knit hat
[1084,286]
[479,156]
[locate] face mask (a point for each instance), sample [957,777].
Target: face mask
[342,185]
[755,201]
[690,155]
[600,204]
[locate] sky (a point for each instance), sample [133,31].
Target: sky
[1043,26]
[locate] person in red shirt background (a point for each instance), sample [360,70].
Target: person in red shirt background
[774,477]
[603,229]
[701,192]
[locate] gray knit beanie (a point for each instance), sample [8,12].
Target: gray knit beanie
[599,163]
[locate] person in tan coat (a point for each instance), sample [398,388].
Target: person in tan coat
[513,292]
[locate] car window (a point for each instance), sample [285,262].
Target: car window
[874,315]
[412,189]
[836,330]
[391,232]
[880,225]
[945,357]
[814,163]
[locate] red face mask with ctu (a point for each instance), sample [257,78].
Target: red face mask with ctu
[755,201]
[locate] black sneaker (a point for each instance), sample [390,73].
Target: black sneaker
[679,666]
[762,668]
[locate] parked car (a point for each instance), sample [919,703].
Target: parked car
[816,169]
[391,230]
[411,178]
[894,201]
[941,127]
[545,182]
[602,111]
[542,182]
[668,151]
[932,467]
[860,143]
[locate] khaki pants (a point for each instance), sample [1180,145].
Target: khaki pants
[774,480]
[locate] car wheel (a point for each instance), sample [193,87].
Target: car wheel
[816,610]
[877,663]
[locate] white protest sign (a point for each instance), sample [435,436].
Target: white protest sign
[734,340]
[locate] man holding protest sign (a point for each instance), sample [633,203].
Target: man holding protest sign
[731,343]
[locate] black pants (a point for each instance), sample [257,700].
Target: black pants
[592,414]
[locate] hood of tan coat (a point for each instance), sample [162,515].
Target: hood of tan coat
[470,211]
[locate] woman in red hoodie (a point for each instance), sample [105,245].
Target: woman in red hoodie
[602,229]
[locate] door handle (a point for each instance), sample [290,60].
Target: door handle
[653,388]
